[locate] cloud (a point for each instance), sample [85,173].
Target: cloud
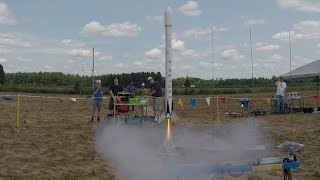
[301,5]
[318,45]
[14,40]
[72,43]
[155,19]
[126,29]
[178,45]
[284,36]
[3,60]
[208,66]
[202,33]
[105,58]
[47,67]
[191,53]
[5,15]
[277,58]
[266,47]
[92,28]
[154,53]
[232,54]
[251,22]
[81,52]
[308,29]
[205,65]
[190,9]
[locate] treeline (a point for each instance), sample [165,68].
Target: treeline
[60,79]
[234,82]
[57,82]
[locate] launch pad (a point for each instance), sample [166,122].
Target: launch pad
[239,168]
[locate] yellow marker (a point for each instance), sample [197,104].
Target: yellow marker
[168,132]
[218,117]
[18,111]
[267,167]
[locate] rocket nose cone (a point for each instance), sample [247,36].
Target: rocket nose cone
[168,16]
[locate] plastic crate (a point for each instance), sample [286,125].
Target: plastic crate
[134,100]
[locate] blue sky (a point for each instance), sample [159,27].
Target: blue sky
[128,36]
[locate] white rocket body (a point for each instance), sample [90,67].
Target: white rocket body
[168,46]
[169,113]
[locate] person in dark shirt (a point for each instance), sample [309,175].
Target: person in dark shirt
[156,93]
[114,89]
[97,100]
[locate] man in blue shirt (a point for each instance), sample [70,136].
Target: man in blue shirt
[97,100]
[156,93]
[131,89]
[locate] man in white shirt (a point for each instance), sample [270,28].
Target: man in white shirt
[280,95]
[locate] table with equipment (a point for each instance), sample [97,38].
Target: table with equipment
[132,102]
[295,102]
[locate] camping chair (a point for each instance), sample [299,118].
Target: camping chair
[245,105]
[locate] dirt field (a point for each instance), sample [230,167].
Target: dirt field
[56,141]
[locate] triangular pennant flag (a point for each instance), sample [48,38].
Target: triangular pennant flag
[223,100]
[268,100]
[254,101]
[193,102]
[6,98]
[59,99]
[73,99]
[208,100]
[104,97]
[315,98]
[180,103]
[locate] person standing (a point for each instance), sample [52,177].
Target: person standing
[114,89]
[280,94]
[97,99]
[156,93]
[144,98]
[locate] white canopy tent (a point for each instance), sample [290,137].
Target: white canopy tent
[308,70]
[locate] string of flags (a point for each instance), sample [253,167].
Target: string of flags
[193,101]
[6,98]
[243,101]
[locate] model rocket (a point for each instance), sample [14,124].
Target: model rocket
[168,83]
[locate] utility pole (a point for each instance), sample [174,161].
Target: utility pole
[251,60]
[93,68]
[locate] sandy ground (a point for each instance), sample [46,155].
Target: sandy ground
[55,140]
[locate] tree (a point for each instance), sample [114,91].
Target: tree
[2,76]
[187,83]
[77,87]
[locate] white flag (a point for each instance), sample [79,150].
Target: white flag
[73,99]
[208,101]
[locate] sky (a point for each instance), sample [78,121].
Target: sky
[128,36]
